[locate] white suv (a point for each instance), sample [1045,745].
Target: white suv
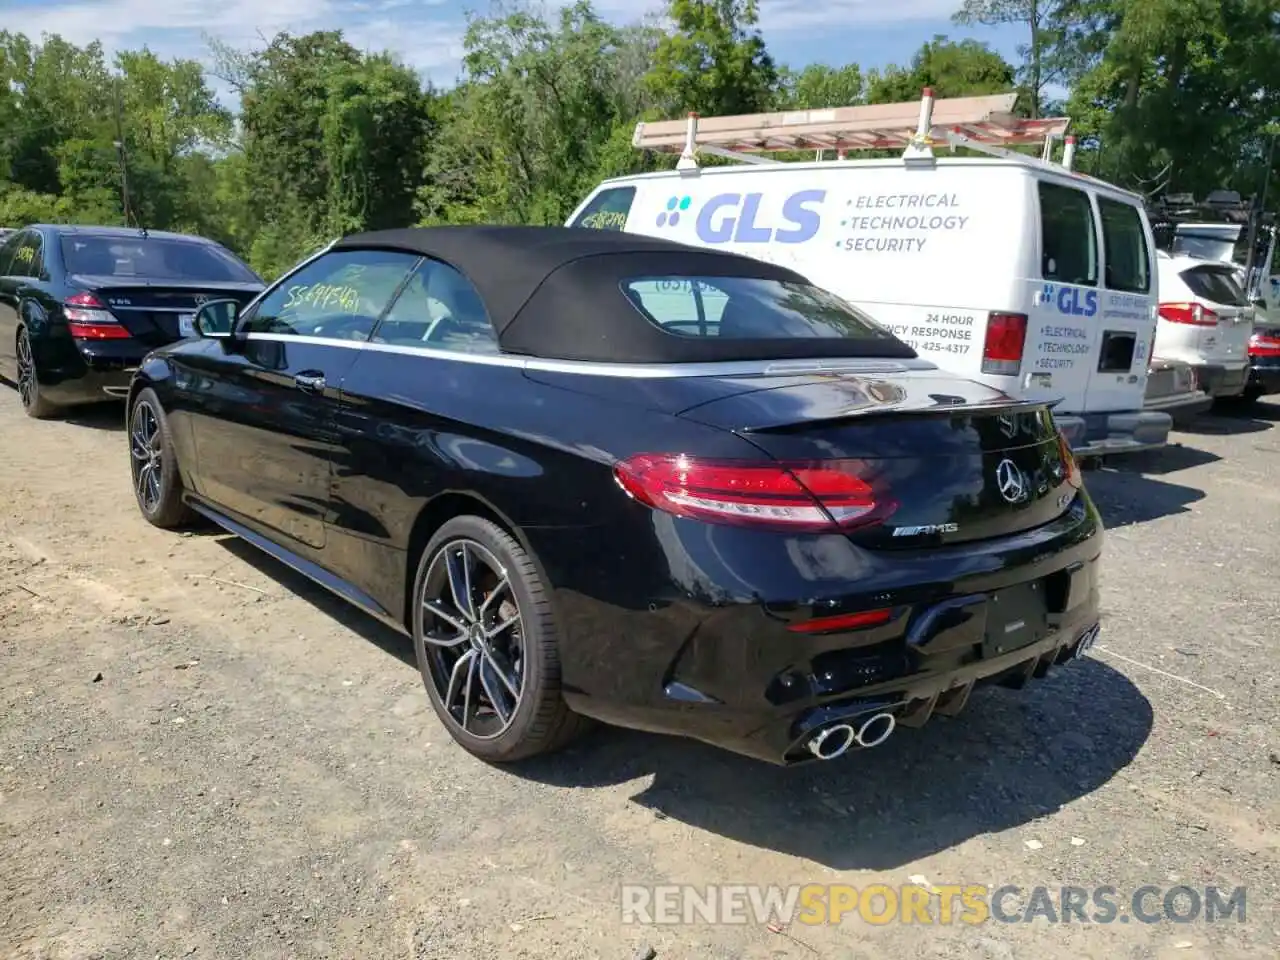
[1205,320]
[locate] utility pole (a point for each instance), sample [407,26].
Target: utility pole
[121,153]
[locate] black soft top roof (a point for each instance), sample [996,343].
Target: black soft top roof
[555,292]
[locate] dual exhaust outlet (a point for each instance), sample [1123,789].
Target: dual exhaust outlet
[833,741]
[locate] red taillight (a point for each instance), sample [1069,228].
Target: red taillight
[1264,344]
[1074,477]
[1006,337]
[810,496]
[1189,314]
[844,621]
[89,319]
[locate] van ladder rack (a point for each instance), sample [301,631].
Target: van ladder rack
[986,124]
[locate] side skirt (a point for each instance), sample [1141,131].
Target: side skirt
[312,571]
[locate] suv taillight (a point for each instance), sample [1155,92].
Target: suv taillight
[1190,314]
[1005,340]
[89,319]
[813,496]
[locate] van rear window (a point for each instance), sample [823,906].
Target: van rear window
[1215,284]
[1068,242]
[748,308]
[1124,247]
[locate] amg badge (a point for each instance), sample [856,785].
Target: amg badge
[928,528]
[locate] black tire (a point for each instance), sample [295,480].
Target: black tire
[540,722]
[34,402]
[153,464]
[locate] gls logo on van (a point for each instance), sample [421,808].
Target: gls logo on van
[736,217]
[1071,300]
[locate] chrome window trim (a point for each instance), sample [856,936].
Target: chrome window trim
[728,368]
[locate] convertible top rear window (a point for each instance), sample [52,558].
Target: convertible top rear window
[748,308]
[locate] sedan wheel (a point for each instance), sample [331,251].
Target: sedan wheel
[153,464]
[33,401]
[485,640]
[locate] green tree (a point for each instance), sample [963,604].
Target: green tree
[1173,94]
[1043,21]
[715,62]
[953,69]
[543,112]
[819,85]
[332,140]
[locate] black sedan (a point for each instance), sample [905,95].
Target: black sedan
[598,475]
[81,306]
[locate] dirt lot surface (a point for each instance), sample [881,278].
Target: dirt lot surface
[203,755]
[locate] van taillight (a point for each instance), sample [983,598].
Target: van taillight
[1190,314]
[1006,337]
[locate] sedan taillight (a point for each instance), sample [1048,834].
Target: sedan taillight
[1265,343]
[819,496]
[1189,314]
[89,319]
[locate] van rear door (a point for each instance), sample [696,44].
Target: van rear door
[1062,334]
[1126,324]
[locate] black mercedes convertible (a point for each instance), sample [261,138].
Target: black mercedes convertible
[598,475]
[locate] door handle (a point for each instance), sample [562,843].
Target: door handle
[311,382]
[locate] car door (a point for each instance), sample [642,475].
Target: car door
[406,426]
[262,407]
[9,287]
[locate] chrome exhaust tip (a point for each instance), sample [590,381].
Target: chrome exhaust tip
[830,742]
[875,730]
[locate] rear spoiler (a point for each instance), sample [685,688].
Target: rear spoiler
[942,405]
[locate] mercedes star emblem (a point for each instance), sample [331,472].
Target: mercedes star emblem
[1010,482]
[201,299]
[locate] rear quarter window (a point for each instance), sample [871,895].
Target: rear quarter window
[1124,247]
[1215,284]
[1068,240]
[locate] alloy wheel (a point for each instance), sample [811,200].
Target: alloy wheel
[148,460]
[473,634]
[26,370]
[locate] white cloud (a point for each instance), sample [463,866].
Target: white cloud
[423,34]
[812,16]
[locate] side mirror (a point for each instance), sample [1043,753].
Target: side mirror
[217,318]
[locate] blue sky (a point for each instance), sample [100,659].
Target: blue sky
[427,33]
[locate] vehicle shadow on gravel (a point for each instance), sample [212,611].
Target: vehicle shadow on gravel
[353,618]
[1127,496]
[1008,760]
[1231,420]
[98,416]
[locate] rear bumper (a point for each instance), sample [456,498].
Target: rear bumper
[88,379]
[1181,407]
[1218,380]
[1101,434]
[1264,375]
[713,659]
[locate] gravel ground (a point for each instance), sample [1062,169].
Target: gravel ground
[202,754]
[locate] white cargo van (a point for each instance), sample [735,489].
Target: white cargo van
[1010,270]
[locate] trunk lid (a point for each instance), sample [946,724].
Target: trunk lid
[152,310]
[1215,286]
[962,462]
